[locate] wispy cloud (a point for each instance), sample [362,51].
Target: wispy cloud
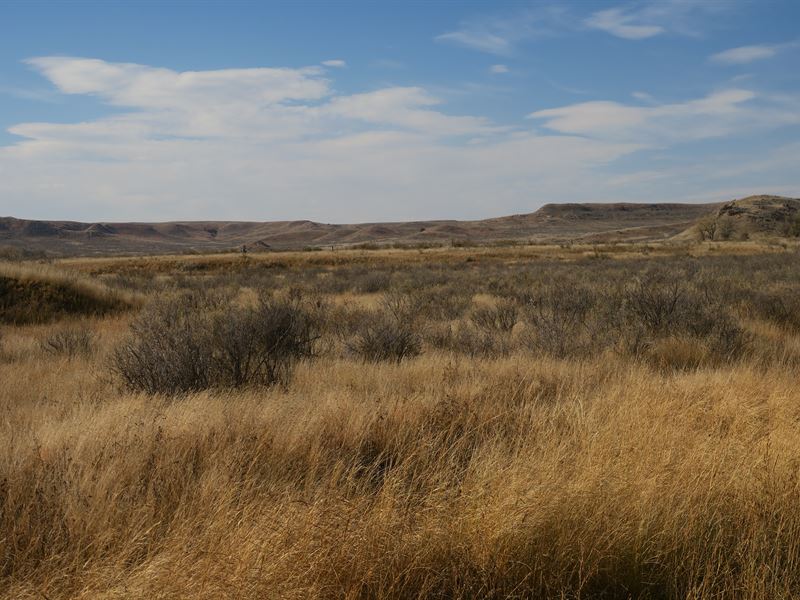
[38,95]
[621,24]
[498,69]
[727,112]
[656,17]
[744,55]
[336,63]
[409,108]
[500,35]
[479,40]
[643,97]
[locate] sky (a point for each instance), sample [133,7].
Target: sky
[354,111]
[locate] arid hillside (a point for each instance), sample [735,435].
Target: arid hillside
[553,222]
[758,216]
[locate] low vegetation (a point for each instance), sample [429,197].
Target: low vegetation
[37,294]
[475,423]
[198,342]
[69,341]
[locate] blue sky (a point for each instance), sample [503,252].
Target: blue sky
[356,111]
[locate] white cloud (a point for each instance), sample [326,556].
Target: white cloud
[405,107]
[744,55]
[277,144]
[126,84]
[269,144]
[336,63]
[621,24]
[498,69]
[722,113]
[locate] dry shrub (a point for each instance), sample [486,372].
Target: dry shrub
[389,334]
[384,338]
[656,301]
[71,341]
[10,253]
[658,307]
[442,302]
[499,318]
[372,282]
[476,342]
[781,307]
[199,342]
[558,320]
[468,340]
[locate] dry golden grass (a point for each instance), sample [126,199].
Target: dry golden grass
[443,476]
[404,257]
[35,293]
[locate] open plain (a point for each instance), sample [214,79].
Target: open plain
[574,421]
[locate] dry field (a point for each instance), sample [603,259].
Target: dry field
[526,422]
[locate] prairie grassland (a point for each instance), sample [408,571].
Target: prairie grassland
[37,293]
[551,427]
[405,257]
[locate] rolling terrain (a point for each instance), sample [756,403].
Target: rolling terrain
[552,222]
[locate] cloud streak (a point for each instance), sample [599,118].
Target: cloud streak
[723,113]
[501,35]
[744,55]
[621,24]
[644,20]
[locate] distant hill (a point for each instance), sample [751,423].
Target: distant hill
[551,223]
[754,216]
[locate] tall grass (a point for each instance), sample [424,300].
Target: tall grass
[40,293]
[488,479]
[496,464]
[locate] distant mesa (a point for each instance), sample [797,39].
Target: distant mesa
[552,223]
